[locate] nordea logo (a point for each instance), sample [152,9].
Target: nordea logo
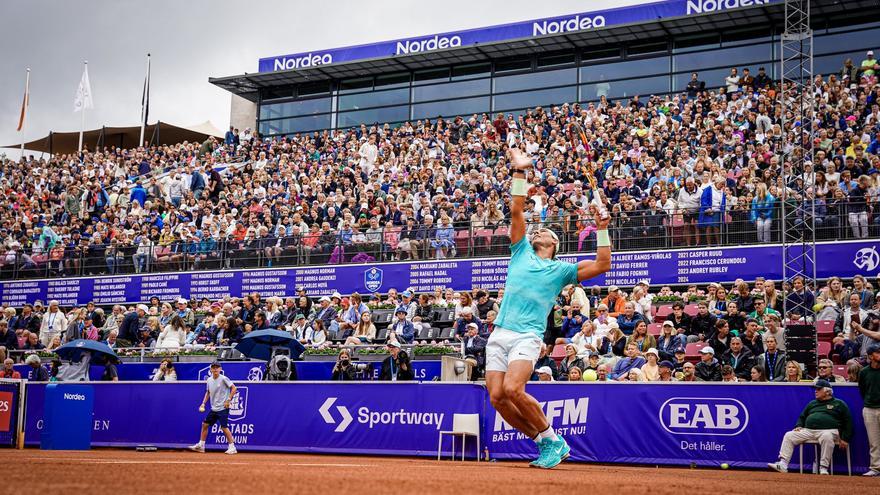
[701,6]
[704,416]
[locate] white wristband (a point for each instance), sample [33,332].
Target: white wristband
[520,187]
[602,238]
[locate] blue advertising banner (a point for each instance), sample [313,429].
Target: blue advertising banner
[243,371]
[652,423]
[305,417]
[8,412]
[673,266]
[597,19]
[649,423]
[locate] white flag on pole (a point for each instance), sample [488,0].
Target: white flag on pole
[83,98]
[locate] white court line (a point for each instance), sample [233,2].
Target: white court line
[214,462]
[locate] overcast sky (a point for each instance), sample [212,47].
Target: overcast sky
[191,40]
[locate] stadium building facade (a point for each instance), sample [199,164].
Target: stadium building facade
[640,49]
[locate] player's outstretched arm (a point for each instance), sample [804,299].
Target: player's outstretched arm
[602,263]
[519,164]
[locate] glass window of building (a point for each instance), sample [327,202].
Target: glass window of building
[623,70]
[373,99]
[532,80]
[356,85]
[626,88]
[294,125]
[381,115]
[460,89]
[471,71]
[867,39]
[724,57]
[431,76]
[536,97]
[315,88]
[451,108]
[387,81]
[515,63]
[295,108]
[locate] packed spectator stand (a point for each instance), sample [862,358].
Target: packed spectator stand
[699,334]
[438,188]
[692,169]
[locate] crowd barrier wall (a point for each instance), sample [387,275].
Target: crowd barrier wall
[651,423]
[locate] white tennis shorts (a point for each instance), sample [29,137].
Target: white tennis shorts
[505,346]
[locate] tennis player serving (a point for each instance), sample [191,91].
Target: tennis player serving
[534,279]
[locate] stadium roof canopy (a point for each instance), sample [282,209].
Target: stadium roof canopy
[770,16]
[123,137]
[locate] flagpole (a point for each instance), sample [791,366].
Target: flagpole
[82,120]
[144,100]
[27,85]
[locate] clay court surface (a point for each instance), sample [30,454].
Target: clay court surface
[126,471]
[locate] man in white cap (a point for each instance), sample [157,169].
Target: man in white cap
[545,374]
[54,322]
[708,369]
[534,278]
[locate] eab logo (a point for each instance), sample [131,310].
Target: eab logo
[704,416]
[373,279]
[238,405]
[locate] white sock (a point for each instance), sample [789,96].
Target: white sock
[201,443]
[548,433]
[537,438]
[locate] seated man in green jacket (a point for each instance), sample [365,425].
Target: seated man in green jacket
[825,420]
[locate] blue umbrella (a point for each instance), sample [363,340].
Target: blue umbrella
[73,351]
[259,344]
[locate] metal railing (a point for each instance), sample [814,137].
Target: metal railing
[630,230]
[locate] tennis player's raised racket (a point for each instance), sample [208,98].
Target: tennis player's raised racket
[577,136]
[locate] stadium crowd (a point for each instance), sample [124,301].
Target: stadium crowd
[701,167]
[711,333]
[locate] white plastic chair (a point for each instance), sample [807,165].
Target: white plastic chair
[816,450]
[466,425]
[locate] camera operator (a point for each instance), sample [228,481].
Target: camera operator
[343,371]
[166,372]
[280,368]
[397,366]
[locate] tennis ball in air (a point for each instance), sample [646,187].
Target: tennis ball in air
[725,465]
[590,376]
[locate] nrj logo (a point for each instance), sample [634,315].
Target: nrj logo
[704,416]
[867,259]
[566,412]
